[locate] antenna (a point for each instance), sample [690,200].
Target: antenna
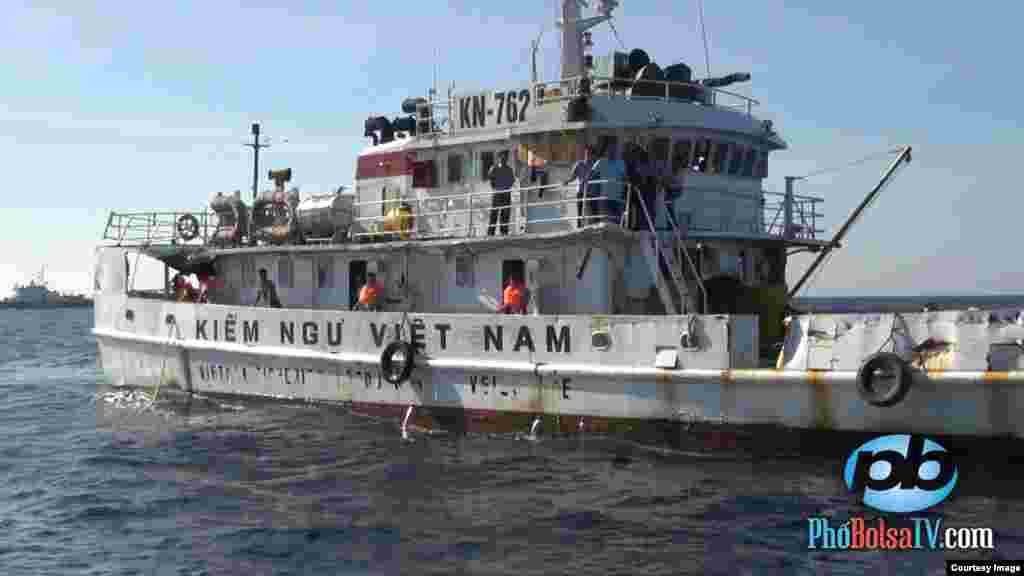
[534,47]
[704,34]
[433,84]
[255,145]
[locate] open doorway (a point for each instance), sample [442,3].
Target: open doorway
[512,269]
[356,279]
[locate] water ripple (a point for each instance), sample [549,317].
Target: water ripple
[214,486]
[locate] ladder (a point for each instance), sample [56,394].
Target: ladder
[660,253]
[654,255]
[680,248]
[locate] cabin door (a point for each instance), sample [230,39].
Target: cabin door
[512,269]
[356,279]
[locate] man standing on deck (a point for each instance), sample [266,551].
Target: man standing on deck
[369,294]
[641,176]
[267,292]
[513,297]
[502,178]
[581,172]
[613,172]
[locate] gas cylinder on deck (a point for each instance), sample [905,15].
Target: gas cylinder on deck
[400,220]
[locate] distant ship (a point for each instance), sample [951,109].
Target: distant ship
[37,294]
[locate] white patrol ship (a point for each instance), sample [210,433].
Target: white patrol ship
[649,322]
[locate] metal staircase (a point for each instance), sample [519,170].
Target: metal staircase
[665,253]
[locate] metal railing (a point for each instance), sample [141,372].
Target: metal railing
[805,215]
[568,88]
[130,229]
[441,123]
[467,214]
[477,212]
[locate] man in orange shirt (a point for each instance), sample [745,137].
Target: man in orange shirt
[183,292]
[369,294]
[513,299]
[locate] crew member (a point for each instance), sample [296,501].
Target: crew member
[613,170]
[183,291]
[205,283]
[267,293]
[513,299]
[370,294]
[502,178]
[581,172]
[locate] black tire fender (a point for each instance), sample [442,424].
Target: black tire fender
[387,362]
[866,374]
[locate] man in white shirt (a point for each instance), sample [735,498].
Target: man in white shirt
[581,172]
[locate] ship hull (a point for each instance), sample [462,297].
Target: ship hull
[498,373]
[37,306]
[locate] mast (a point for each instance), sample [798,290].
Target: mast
[255,145]
[573,27]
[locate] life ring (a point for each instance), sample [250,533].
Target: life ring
[188,227]
[387,362]
[889,362]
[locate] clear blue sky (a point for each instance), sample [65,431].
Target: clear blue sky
[146,106]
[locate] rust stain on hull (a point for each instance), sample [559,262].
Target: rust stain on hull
[821,399]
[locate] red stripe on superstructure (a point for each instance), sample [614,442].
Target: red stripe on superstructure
[383,165]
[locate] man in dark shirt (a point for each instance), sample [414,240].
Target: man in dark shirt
[267,293]
[641,176]
[502,178]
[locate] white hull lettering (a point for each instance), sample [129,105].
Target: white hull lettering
[248,331]
[312,334]
[372,378]
[562,340]
[524,339]
[442,330]
[238,374]
[484,381]
[416,335]
[492,337]
[230,324]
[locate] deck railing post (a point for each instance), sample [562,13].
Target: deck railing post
[787,231]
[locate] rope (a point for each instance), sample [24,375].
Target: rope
[851,164]
[704,34]
[616,34]
[892,332]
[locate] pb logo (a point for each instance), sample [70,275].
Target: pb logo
[901,473]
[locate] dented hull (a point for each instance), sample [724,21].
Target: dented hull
[498,373]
